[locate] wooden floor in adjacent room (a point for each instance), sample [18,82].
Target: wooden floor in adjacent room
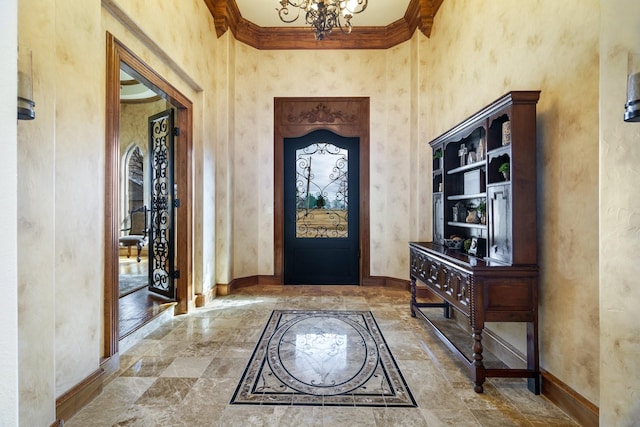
[140,306]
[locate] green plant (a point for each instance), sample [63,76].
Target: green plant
[504,168]
[438,153]
[482,207]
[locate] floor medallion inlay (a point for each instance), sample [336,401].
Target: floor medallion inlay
[322,358]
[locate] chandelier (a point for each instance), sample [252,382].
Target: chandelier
[323,15]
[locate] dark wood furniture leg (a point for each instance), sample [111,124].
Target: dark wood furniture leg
[413,296]
[479,374]
[533,362]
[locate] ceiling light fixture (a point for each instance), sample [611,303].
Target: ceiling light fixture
[323,15]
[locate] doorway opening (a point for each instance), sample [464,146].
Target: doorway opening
[132,205]
[347,119]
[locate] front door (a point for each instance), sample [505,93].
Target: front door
[321,203]
[161,227]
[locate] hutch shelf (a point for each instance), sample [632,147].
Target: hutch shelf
[484,193]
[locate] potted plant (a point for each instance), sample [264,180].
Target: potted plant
[482,208]
[437,157]
[504,170]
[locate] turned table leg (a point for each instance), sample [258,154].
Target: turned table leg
[479,373]
[413,296]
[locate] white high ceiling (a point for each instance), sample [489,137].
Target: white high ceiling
[379,13]
[131,89]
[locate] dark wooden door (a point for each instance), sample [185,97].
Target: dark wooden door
[161,224]
[321,209]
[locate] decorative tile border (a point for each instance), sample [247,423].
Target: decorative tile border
[322,358]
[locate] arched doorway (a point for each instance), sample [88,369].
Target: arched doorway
[347,117]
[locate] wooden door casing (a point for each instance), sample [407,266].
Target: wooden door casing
[295,117]
[120,56]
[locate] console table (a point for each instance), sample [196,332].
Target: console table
[484,189]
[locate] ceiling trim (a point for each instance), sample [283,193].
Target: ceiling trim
[227,16]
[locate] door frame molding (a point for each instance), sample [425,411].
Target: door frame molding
[117,55]
[295,117]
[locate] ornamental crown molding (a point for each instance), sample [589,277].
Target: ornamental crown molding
[227,16]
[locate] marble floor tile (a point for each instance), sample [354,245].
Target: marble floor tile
[148,366]
[223,367]
[166,392]
[187,367]
[185,371]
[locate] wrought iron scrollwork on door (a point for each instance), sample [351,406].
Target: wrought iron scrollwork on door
[322,201]
[161,238]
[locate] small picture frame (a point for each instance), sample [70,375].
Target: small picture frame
[477,247]
[473,248]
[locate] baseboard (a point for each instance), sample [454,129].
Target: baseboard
[269,280]
[76,398]
[224,289]
[205,298]
[110,366]
[563,396]
[57,423]
[386,282]
[243,282]
[559,393]
[575,405]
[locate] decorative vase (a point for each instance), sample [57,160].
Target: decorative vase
[506,133]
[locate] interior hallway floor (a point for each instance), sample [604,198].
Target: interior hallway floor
[186,371]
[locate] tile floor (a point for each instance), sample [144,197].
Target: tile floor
[323,358]
[186,371]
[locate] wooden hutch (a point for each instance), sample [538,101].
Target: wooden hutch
[493,277]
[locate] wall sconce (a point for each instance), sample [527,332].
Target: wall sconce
[632,107]
[26,106]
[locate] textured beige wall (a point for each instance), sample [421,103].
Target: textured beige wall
[418,90]
[78,82]
[61,175]
[225,85]
[477,52]
[619,220]
[9,360]
[36,221]
[385,77]
[184,52]
[429,85]
[175,29]
[134,126]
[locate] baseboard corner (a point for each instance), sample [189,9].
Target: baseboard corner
[84,392]
[574,404]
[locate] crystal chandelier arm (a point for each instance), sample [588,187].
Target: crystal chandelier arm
[283,11]
[323,15]
[355,6]
[346,26]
